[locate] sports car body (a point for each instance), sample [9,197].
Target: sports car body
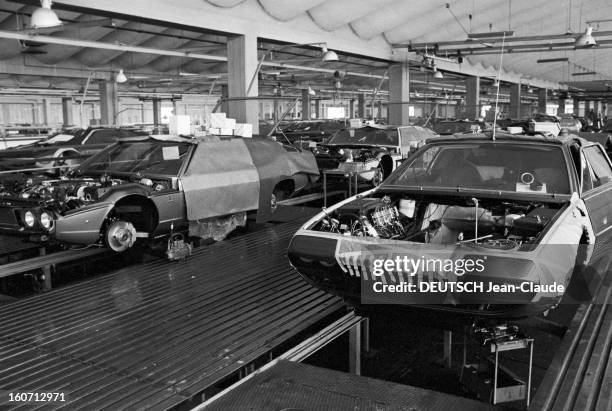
[374,147]
[469,224]
[150,187]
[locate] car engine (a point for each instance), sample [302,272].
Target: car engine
[493,223]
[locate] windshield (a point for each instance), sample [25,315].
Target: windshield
[152,157]
[568,121]
[65,137]
[500,167]
[365,136]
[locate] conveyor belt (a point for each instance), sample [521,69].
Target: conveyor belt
[155,335]
[293,386]
[580,375]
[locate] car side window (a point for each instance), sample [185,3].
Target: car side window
[587,176]
[102,137]
[600,169]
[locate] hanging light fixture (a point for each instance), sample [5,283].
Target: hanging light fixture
[586,40]
[121,77]
[437,74]
[328,55]
[43,17]
[311,92]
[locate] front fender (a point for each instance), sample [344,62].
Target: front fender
[83,225]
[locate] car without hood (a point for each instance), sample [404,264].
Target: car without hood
[150,187]
[373,147]
[529,208]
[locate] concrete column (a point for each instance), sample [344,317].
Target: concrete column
[67,113]
[46,109]
[352,108]
[361,105]
[542,100]
[515,101]
[305,104]
[561,108]
[472,98]
[317,108]
[108,102]
[241,69]
[399,95]
[576,107]
[156,111]
[380,110]
[587,107]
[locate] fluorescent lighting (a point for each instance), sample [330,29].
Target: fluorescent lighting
[554,60]
[584,73]
[43,17]
[121,77]
[491,34]
[586,40]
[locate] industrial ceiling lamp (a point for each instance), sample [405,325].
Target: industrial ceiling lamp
[43,17]
[328,55]
[121,77]
[311,92]
[437,74]
[586,40]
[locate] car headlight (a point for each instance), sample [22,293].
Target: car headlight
[29,219]
[46,220]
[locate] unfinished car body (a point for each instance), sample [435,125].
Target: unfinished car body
[150,187]
[516,214]
[373,147]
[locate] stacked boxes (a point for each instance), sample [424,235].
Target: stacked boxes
[219,124]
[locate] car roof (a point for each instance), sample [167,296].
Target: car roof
[501,136]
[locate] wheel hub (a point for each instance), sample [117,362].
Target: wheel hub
[120,236]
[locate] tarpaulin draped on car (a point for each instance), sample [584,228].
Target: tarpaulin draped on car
[221,179]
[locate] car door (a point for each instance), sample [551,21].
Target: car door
[596,186]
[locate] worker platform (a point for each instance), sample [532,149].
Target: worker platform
[157,335]
[291,385]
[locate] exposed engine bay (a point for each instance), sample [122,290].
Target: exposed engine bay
[494,223]
[65,194]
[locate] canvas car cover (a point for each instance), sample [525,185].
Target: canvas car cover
[221,179]
[275,163]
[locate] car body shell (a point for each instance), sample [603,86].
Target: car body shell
[338,262]
[386,155]
[172,200]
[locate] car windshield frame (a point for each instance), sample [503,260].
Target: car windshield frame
[76,138]
[140,157]
[391,138]
[510,182]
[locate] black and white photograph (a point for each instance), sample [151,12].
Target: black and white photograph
[306,205]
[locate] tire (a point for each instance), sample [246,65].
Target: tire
[65,163]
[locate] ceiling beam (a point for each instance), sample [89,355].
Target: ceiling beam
[107,46]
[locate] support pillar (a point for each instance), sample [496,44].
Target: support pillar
[317,108]
[352,108]
[355,349]
[515,101]
[380,110]
[561,109]
[67,114]
[361,105]
[399,95]
[108,102]
[242,65]
[224,94]
[542,100]
[576,107]
[305,104]
[46,109]
[472,98]
[156,111]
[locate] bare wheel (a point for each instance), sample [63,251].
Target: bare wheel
[278,195]
[378,176]
[120,235]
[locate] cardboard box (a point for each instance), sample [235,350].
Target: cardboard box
[230,123]
[179,125]
[215,120]
[243,130]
